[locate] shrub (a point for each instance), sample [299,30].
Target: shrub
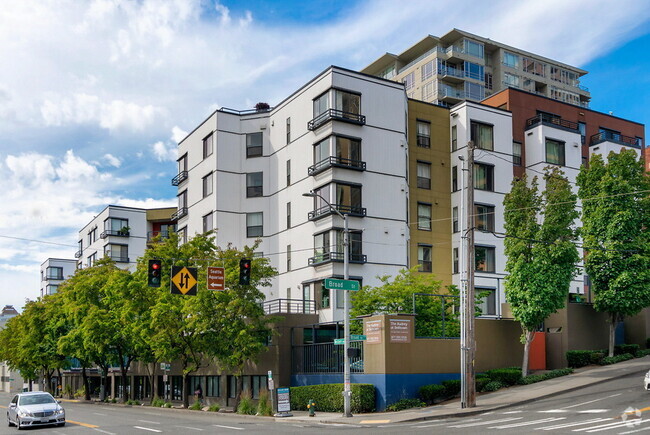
[596,356]
[481,382]
[452,387]
[615,359]
[647,343]
[492,386]
[214,408]
[81,392]
[328,397]
[263,405]
[642,353]
[157,402]
[430,393]
[132,402]
[245,404]
[167,405]
[403,404]
[626,348]
[196,406]
[548,375]
[579,358]
[113,400]
[508,376]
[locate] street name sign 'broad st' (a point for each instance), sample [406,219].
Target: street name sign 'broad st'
[341,284]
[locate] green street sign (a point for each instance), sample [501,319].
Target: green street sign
[339,341]
[357,337]
[341,284]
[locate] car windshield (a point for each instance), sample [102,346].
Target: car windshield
[36,399]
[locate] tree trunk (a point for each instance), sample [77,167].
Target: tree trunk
[186,390]
[104,383]
[240,390]
[613,321]
[124,368]
[48,381]
[84,376]
[152,382]
[528,338]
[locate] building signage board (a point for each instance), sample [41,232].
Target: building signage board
[400,330]
[216,278]
[373,330]
[284,400]
[184,281]
[339,341]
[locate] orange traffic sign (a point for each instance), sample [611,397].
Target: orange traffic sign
[216,278]
[184,280]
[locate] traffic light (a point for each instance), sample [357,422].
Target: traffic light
[244,271]
[154,271]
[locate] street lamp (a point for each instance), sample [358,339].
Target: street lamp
[347,392]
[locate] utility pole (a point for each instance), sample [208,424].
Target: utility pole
[468,340]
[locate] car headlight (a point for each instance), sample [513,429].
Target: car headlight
[24,413]
[59,411]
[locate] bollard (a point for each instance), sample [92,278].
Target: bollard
[311,406]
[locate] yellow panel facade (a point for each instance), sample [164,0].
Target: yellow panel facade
[430,189]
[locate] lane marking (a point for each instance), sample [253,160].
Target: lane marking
[99,413]
[567,425]
[429,425]
[637,430]
[190,428]
[592,401]
[512,412]
[481,423]
[374,421]
[620,425]
[103,431]
[553,411]
[150,422]
[593,411]
[92,426]
[147,428]
[601,427]
[528,423]
[228,427]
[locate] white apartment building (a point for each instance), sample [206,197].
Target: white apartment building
[53,272]
[490,129]
[341,135]
[459,65]
[10,381]
[122,233]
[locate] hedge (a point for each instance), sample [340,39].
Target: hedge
[430,393]
[579,358]
[626,348]
[507,376]
[328,397]
[452,387]
[482,381]
[403,404]
[615,359]
[531,379]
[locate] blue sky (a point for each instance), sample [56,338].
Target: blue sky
[94,95]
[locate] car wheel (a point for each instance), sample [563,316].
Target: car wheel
[18,424]
[9,423]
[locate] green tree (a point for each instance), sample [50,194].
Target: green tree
[616,234]
[541,257]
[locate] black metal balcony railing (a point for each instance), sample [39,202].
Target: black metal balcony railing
[287,306]
[119,258]
[343,209]
[117,233]
[553,121]
[335,114]
[58,277]
[325,358]
[158,235]
[326,257]
[609,136]
[182,176]
[337,162]
[181,212]
[78,254]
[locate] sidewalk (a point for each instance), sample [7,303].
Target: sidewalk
[516,395]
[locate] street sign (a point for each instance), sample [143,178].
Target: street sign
[165,366]
[183,280]
[339,341]
[284,400]
[341,284]
[271,385]
[216,278]
[270,374]
[357,337]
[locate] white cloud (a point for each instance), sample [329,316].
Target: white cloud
[112,160]
[165,152]
[178,134]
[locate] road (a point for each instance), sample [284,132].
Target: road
[596,409]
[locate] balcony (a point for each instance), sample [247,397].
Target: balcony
[118,258]
[182,176]
[157,236]
[78,254]
[180,213]
[336,162]
[118,233]
[609,136]
[337,115]
[451,74]
[343,209]
[552,121]
[289,306]
[338,257]
[57,277]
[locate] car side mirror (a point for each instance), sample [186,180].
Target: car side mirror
[12,405]
[58,401]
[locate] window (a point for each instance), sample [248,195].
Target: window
[92,236]
[208,224]
[54,273]
[534,67]
[484,258]
[232,386]
[474,71]
[454,179]
[554,152]
[182,200]
[288,131]
[182,235]
[348,150]
[254,144]
[474,91]
[486,301]
[321,247]
[254,224]
[488,81]
[289,172]
[212,386]
[324,297]
[456,268]
[115,227]
[348,197]
[484,217]
[516,153]
[482,136]
[454,138]
[288,215]
[424,175]
[428,69]
[582,127]
[428,89]
[424,134]
[306,298]
[409,80]
[288,258]
[118,253]
[182,163]
[254,184]
[321,104]
[207,185]
[483,177]
[511,80]
[208,146]
[424,216]
[473,48]
[454,220]
[510,59]
[424,258]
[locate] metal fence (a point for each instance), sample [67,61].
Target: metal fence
[287,306]
[325,358]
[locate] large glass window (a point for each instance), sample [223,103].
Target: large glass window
[212,386]
[321,104]
[534,67]
[484,217]
[424,258]
[487,301]
[424,175]
[182,163]
[484,258]
[483,177]
[254,186]
[473,48]
[474,71]
[510,59]
[208,185]
[516,153]
[254,224]
[555,152]
[409,81]
[424,216]
[482,136]
[347,149]
[118,253]
[54,272]
[208,145]
[474,91]
[254,144]
[182,199]
[116,227]
[208,224]
[511,80]
[347,102]
[424,134]
[348,196]
[454,220]
[454,138]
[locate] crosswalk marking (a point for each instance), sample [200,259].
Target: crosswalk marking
[567,425]
[528,423]
[482,423]
[592,401]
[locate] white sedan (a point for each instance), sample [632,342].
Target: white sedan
[646,381]
[35,409]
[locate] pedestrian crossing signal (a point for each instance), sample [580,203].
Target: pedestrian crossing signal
[154,273]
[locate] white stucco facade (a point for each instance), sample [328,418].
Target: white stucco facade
[53,272]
